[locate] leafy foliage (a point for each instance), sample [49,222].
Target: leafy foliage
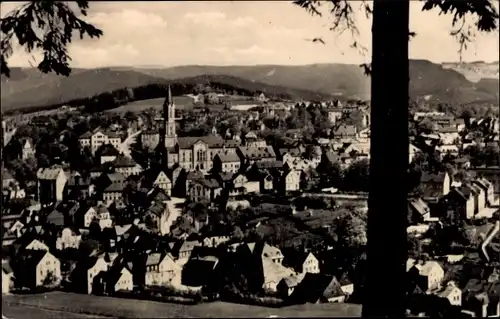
[47,26]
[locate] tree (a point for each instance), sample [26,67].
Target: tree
[46,26]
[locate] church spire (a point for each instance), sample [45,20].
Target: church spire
[169,96]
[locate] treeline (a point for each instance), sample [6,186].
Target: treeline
[116,98]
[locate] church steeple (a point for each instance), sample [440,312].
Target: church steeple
[169,120]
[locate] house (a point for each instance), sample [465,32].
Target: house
[451,293]
[414,151]
[249,155]
[345,131]
[346,285]
[302,262]
[489,191]
[157,179]
[435,186]
[84,216]
[94,140]
[267,183]
[214,241]
[463,200]
[199,271]
[444,150]
[156,218]
[290,181]
[7,278]
[185,248]
[479,197]
[334,114]
[111,187]
[150,139]
[28,150]
[158,269]
[226,162]
[266,261]
[419,211]
[290,155]
[206,189]
[117,278]
[85,275]
[51,183]
[68,238]
[287,285]
[103,216]
[317,288]
[427,275]
[107,153]
[77,187]
[126,166]
[448,135]
[38,268]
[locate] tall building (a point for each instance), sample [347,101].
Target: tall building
[168,131]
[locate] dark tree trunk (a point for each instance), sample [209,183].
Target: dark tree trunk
[387,252]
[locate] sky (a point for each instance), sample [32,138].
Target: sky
[243,33]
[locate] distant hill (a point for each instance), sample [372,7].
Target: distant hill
[475,71]
[27,88]
[30,88]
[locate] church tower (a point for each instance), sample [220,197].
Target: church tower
[170,136]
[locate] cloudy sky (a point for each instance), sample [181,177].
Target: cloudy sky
[245,33]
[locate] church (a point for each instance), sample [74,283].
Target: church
[191,153]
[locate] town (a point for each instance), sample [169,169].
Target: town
[256,200]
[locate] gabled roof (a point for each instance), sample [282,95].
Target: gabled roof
[108,150]
[228,157]
[419,205]
[154,259]
[268,164]
[317,287]
[50,173]
[124,161]
[345,130]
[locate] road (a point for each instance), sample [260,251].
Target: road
[124,147]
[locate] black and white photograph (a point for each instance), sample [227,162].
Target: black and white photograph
[250,159]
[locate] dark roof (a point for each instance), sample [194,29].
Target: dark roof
[208,182]
[124,161]
[228,157]
[33,257]
[294,258]
[292,151]
[211,140]
[195,175]
[56,218]
[254,153]
[433,178]
[316,287]
[268,164]
[108,150]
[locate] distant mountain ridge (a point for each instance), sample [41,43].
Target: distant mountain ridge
[475,71]
[28,87]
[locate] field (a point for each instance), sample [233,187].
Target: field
[181,103]
[50,305]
